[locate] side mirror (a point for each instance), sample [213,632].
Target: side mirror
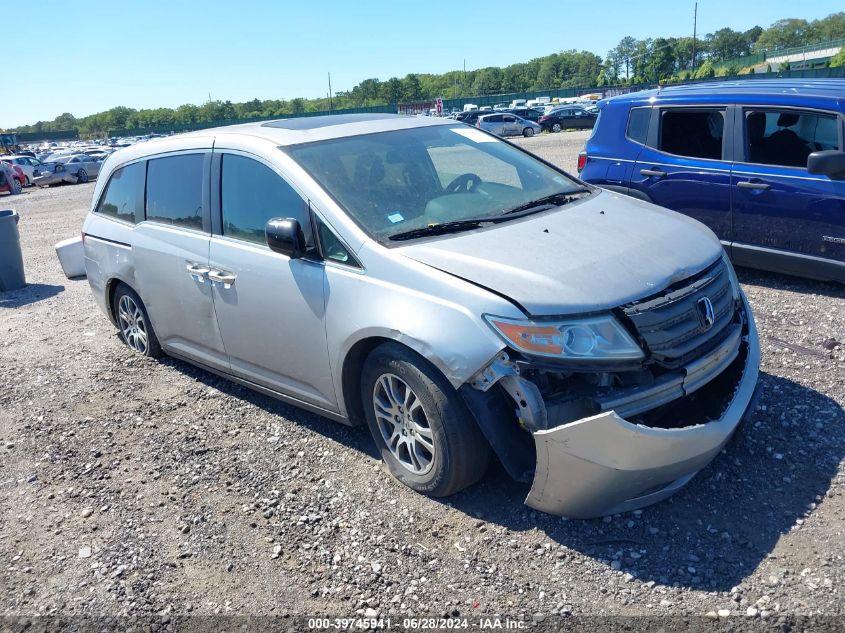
[830,163]
[285,236]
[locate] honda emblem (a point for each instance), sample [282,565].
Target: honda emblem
[706,312]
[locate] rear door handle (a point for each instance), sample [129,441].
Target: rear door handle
[198,272]
[653,172]
[748,184]
[225,278]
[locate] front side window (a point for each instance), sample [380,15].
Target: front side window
[404,180]
[174,190]
[692,133]
[251,193]
[787,137]
[123,198]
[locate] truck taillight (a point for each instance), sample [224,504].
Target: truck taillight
[582,160]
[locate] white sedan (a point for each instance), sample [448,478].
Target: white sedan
[28,165]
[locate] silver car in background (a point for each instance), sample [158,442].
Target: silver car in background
[73,169]
[506,124]
[450,290]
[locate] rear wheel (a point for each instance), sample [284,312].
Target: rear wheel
[81,176]
[529,131]
[15,187]
[134,322]
[423,429]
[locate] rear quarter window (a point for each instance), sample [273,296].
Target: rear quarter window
[638,119]
[596,124]
[123,198]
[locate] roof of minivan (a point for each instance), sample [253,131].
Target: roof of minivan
[317,128]
[780,91]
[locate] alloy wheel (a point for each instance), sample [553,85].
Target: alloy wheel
[133,326]
[403,424]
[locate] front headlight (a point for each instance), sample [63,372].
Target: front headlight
[591,338]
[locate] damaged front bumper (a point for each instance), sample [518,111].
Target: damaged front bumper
[604,463]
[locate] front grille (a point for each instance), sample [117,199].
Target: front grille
[672,323]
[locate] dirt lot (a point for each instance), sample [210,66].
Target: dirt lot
[152,491]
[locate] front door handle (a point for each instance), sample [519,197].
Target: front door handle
[225,278]
[749,184]
[653,172]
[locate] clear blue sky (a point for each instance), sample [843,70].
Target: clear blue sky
[163,53]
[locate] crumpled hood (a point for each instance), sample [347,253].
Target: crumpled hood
[590,255]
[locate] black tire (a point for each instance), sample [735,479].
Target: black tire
[556,127]
[81,177]
[461,452]
[529,131]
[28,182]
[16,187]
[140,320]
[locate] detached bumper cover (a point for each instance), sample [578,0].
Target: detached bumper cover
[53,179]
[604,464]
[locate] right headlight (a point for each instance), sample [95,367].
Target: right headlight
[591,338]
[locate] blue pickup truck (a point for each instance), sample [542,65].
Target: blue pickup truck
[760,162]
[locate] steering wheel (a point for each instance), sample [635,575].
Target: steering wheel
[465,183]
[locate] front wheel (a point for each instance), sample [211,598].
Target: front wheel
[134,322]
[424,431]
[15,187]
[556,127]
[529,131]
[81,176]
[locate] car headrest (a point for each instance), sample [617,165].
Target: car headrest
[756,125]
[787,120]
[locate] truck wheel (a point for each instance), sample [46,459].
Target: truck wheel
[420,424]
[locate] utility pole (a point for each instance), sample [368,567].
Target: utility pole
[330,92]
[694,29]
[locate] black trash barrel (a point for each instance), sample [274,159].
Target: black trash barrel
[11,260]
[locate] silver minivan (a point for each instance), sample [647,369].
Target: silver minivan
[460,296]
[507,124]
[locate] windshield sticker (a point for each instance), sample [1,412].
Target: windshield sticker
[395,217]
[474,135]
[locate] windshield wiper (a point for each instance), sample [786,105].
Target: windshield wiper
[554,200]
[442,228]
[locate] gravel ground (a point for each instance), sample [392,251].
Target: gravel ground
[147,491]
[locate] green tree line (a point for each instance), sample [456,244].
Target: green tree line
[632,61]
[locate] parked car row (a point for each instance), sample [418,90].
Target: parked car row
[529,121]
[762,163]
[71,168]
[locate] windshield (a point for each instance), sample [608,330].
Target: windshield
[399,181]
